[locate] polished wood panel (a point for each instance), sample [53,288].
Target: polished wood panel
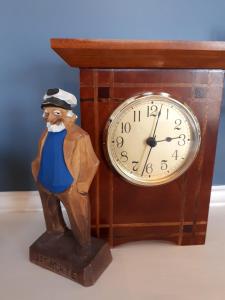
[176,211]
[84,53]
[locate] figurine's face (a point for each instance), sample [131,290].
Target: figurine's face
[57,118]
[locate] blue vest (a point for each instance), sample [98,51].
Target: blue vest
[54,174]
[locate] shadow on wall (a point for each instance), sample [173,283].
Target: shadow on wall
[217,35]
[15,153]
[219,170]
[23,122]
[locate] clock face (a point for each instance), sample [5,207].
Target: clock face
[151,139]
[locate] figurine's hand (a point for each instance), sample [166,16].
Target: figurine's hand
[82,188]
[83,193]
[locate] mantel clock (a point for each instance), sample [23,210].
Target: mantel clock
[152,110]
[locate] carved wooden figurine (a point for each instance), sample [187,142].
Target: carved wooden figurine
[63,171]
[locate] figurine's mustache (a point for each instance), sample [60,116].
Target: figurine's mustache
[55,127]
[56,121]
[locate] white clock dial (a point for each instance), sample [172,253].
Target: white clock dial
[152,139]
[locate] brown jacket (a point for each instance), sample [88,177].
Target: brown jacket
[79,156]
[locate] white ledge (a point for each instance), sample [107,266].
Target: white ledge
[30,200]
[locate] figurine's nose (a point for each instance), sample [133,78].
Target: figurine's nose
[51,119]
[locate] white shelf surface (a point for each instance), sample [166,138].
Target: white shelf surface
[141,270]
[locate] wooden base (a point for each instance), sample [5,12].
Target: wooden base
[59,252]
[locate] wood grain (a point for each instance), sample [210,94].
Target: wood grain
[84,53]
[60,253]
[177,211]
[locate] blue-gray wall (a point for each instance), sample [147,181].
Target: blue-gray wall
[28,66]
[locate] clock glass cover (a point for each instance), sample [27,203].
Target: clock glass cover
[151,139]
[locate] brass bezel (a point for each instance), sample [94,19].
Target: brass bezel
[193,121]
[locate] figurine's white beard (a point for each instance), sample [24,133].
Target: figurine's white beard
[55,127]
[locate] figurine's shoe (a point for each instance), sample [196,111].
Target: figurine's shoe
[59,230]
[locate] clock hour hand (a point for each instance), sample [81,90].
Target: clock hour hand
[168,139]
[151,141]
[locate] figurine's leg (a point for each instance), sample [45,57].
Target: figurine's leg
[52,212]
[78,210]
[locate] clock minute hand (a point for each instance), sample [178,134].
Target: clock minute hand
[154,135]
[159,114]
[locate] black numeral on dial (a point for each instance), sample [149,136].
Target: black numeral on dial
[135,165]
[182,141]
[149,168]
[152,111]
[124,157]
[119,142]
[167,113]
[178,123]
[164,165]
[137,115]
[125,127]
[175,154]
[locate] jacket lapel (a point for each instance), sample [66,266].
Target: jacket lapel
[69,146]
[42,142]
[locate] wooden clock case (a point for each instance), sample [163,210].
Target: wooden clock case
[112,71]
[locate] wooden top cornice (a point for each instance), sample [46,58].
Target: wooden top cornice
[84,53]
